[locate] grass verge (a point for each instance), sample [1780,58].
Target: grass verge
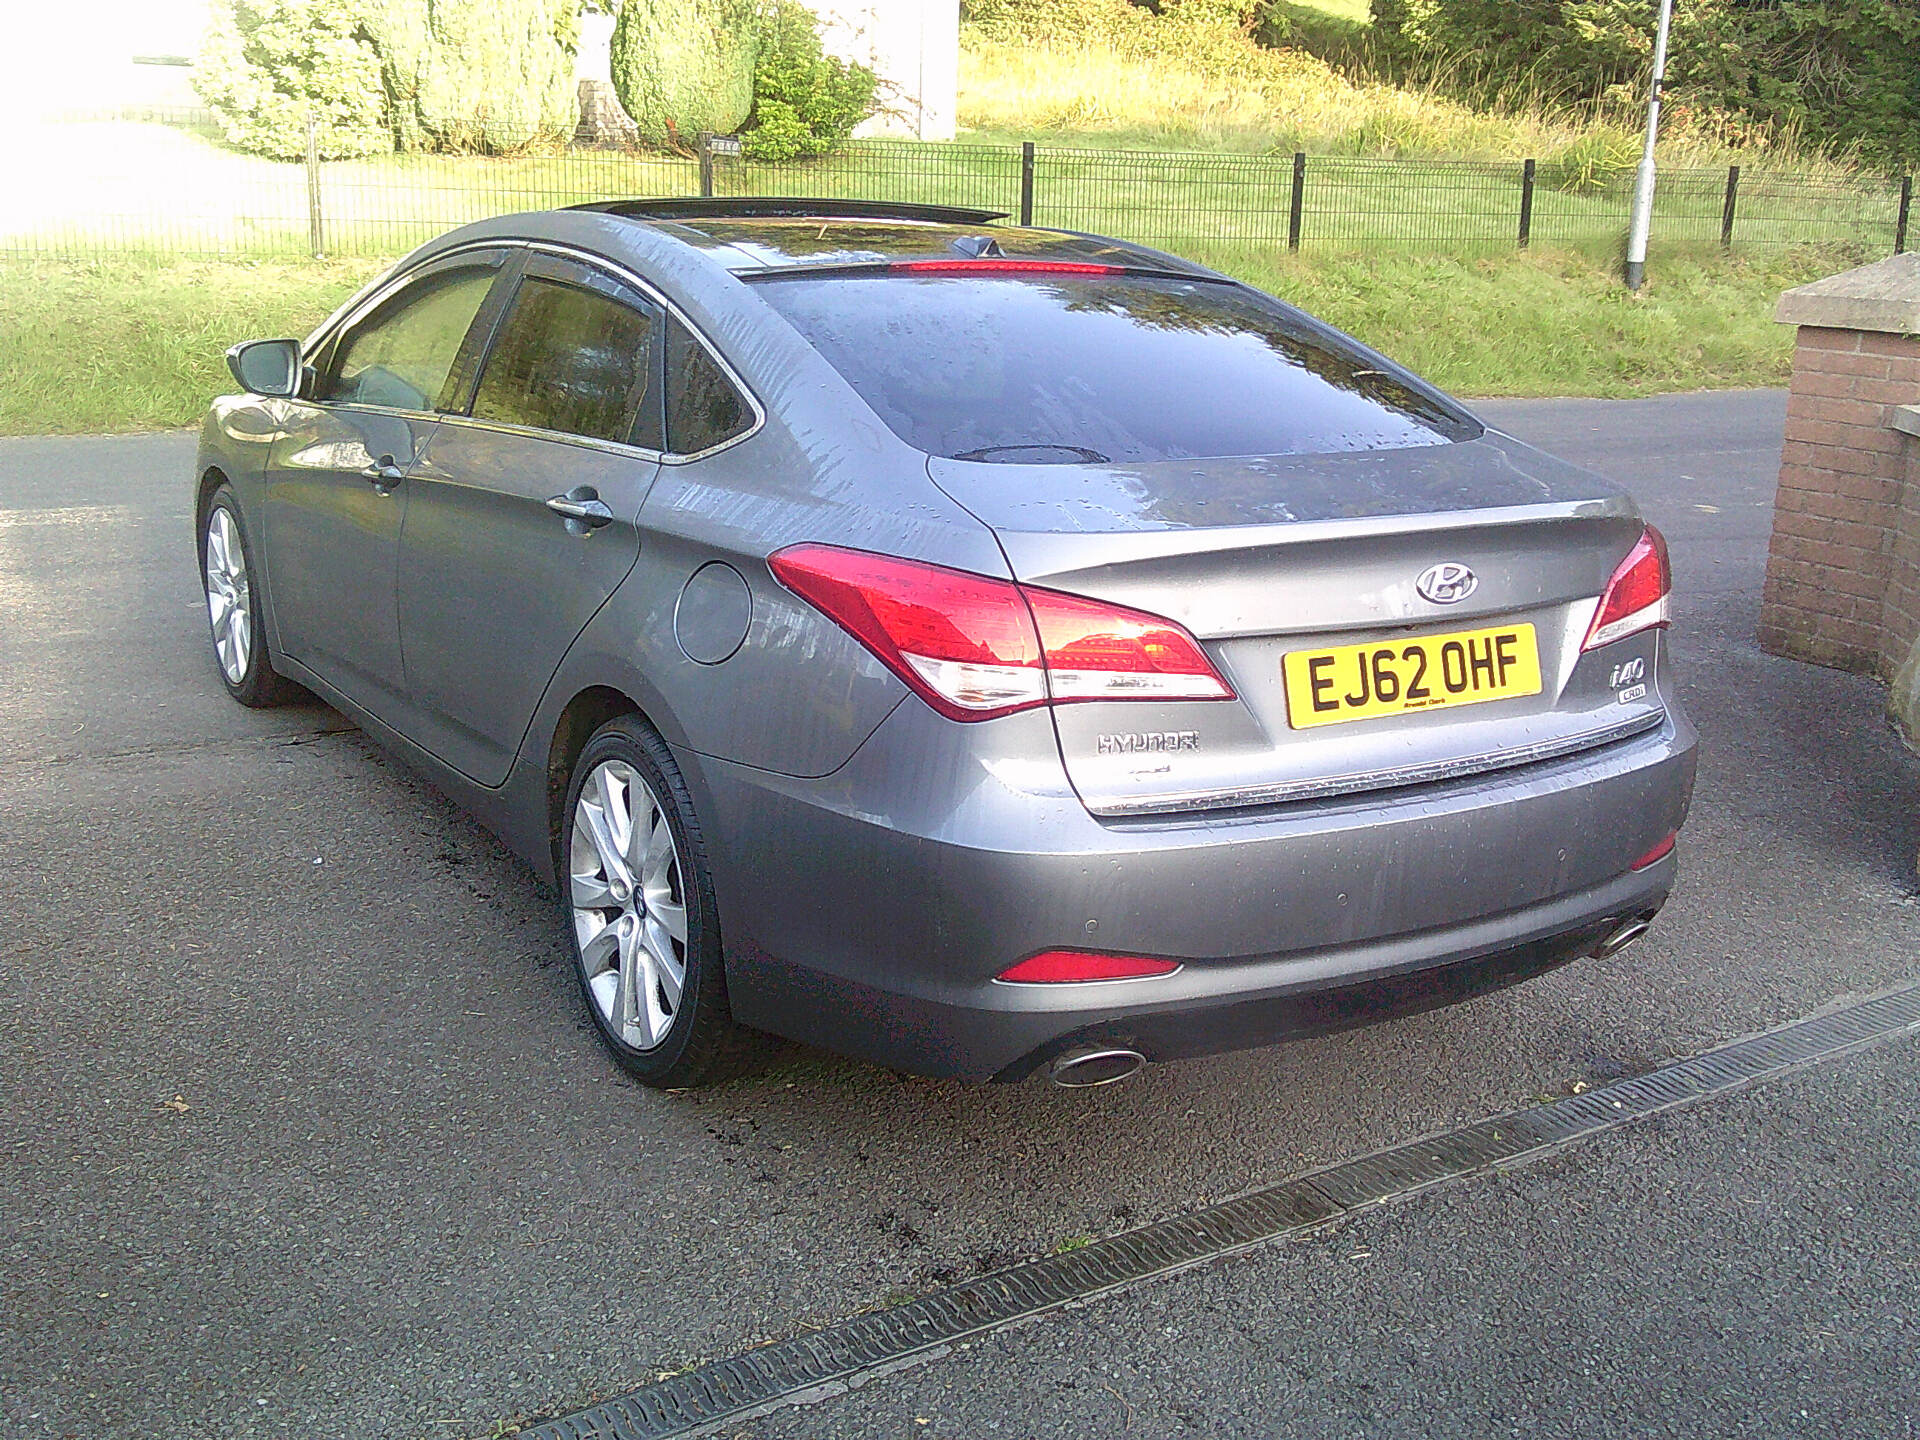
[1557,322]
[127,346]
[90,348]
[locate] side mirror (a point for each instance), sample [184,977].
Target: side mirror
[267,367]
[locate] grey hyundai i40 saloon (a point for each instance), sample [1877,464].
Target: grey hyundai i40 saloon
[969,647]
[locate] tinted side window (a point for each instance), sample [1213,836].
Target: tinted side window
[403,354]
[703,407]
[573,361]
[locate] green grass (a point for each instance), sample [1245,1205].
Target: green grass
[126,346]
[1556,322]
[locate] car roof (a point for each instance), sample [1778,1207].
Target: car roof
[758,235]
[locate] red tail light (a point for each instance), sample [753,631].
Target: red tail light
[1070,967]
[1636,598]
[993,265]
[974,647]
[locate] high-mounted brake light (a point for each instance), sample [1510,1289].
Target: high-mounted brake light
[993,265]
[1073,967]
[1638,596]
[974,647]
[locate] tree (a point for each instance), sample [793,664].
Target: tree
[805,102]
[266,65]
[684,66]
[493,76]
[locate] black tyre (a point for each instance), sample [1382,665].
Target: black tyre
[639,903]
[240,651]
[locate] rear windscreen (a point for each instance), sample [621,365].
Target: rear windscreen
[1049,369]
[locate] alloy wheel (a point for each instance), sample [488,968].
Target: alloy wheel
[229,595]
[629,907]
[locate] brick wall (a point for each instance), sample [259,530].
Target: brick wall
[1843,571]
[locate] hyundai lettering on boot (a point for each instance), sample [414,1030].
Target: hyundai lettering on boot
[1447,583]
[1147,742]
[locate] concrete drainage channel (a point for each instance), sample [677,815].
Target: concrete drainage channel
[831,1361]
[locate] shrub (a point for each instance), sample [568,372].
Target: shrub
[493,76]
[684,66]
[1845,74]
[805,102]
[265,65]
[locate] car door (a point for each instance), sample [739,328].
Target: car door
[521,516]
[336,486]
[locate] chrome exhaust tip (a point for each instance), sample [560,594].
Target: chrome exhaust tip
[1621,936]
[1095,1065]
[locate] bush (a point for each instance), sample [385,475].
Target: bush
[1561,49]
[493,76]
[265,65]
[1304,27]
[684,66]
[1844,74]
[805,102]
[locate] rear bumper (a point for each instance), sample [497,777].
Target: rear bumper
[868,911]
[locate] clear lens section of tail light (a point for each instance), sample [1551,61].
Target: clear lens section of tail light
[1638,597]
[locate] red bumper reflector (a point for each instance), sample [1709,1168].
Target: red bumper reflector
[1656,854]
[1058,967]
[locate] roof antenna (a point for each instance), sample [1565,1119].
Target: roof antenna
[977,247]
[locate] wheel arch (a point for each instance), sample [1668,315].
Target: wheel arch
[585,713]
[211,479]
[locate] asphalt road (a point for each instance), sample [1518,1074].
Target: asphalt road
[305,1132]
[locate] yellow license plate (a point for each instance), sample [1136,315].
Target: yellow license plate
[1424,672]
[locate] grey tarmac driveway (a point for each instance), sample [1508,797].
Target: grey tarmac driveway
[1746,1269]
[400,1193]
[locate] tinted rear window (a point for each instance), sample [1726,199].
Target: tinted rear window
[1029,369]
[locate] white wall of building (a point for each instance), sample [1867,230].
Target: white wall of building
[914,47]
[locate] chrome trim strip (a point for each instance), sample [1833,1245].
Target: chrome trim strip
[343,317]
[376,292]
[557,437]
[1327,787]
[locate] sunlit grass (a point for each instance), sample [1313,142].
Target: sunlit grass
[1556,322]
[126,345]
[1282,100]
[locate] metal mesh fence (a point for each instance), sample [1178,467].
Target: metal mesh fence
[118,187]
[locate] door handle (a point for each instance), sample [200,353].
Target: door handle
[582,507]
[385,474]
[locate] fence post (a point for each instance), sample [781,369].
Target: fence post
[1526,204]
[316,237]
[705,147]
[1299,197]
[1906,213]
[1726,211]
[1026,182]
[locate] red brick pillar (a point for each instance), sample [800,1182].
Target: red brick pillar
[1843,570]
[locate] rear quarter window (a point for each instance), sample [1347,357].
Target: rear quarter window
[704,409]
[1105,369]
